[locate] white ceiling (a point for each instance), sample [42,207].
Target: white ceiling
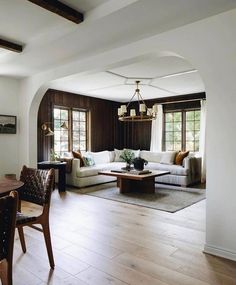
[51,40]
[159,76]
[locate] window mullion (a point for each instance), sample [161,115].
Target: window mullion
[183,144]
[70,129]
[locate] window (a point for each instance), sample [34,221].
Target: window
[79,130]
[75,136]
[181,130]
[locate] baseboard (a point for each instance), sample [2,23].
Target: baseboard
[220,252]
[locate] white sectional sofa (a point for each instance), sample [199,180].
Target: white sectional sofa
[186,174]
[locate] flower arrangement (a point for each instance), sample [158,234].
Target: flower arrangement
[127,155]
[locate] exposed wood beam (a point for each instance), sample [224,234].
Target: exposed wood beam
[60,9]
[10,46]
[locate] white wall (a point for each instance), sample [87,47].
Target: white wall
[210,45]
[9,105]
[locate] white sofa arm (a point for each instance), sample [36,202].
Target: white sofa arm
[75,166]
[193,164]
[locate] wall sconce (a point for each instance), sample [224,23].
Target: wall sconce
[64,126]
[47,130]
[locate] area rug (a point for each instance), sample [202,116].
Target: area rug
[171,199]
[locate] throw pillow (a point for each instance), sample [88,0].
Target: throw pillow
[168,157]
[77,154]
[180,157]
[88,161]
[118,152]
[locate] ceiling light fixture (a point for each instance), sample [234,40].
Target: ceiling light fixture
[145,113]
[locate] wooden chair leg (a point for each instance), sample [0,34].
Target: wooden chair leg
[6,273]
[22,238]
[47,238]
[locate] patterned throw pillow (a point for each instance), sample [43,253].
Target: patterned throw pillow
[88,161]
[180,157]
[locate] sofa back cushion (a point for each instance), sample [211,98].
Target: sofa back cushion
[100,157]
[168,157]
[112,155]
[118,152]
[151,155]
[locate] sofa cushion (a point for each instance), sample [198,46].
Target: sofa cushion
[87,171]
[112,155]
[100,157]
[174,169]
[118,152]
[168,157]
[151,155]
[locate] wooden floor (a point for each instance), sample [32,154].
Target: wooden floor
[101,242]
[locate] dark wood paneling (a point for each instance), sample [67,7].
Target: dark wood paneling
[105,130]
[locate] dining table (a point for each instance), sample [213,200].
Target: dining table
[8,185]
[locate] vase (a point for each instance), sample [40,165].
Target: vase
[127,167]
[139,164]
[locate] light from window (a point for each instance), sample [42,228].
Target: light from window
[61,136]
[192,130]
[73,138]
[182,130]
[173,131]
[79,130]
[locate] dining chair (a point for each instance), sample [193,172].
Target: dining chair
[8,208]
[37,189]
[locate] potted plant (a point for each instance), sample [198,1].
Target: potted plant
[128,156]
[139,163]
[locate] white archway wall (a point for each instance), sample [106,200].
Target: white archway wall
[210,45]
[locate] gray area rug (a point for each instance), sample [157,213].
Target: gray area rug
[167,198]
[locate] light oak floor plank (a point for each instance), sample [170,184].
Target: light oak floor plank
[97,241]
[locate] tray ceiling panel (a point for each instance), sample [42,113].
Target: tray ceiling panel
[154,67]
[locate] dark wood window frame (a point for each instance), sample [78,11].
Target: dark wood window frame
[70,126]
[184,109]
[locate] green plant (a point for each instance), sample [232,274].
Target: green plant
[53,155]
[127,155]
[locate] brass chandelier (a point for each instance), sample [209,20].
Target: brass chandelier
[145,113]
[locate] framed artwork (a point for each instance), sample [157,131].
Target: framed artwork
[7,124]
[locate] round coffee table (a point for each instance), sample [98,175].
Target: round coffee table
[7,185]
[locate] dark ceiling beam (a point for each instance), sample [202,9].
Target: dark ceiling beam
[60,9]
[10,46]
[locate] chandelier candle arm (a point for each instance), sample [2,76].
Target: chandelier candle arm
[145,113]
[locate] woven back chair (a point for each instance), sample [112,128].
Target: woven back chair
[37,189]
[8,207]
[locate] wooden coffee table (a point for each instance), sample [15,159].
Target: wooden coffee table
[135,183]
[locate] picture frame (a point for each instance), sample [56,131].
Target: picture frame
[7,124]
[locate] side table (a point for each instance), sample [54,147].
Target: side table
[61,166]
